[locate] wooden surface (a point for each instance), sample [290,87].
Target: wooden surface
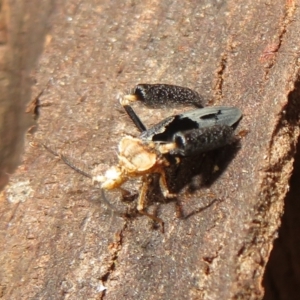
[59,239]
[22,30]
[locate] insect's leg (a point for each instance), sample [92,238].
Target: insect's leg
[178,209]
[164,188]
[164,95]
[134,118]
[131,113]
[109,205]
[163,185]
[127,196]
[142,201]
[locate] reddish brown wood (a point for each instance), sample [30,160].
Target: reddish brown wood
[60,240]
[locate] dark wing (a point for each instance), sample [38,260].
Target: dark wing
[166,130]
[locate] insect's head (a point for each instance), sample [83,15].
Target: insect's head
[135,157]
[112,178]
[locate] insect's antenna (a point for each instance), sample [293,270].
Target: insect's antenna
[68,163]
[72,166]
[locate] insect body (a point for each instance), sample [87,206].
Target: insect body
[186,134]
[190,133]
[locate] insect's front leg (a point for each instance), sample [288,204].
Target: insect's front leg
[201,140]
[142,203]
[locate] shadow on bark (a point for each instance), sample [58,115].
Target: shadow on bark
[282,274]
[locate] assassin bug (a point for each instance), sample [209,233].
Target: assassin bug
[190,133]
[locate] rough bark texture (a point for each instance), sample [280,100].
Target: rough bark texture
[59,240]
[22,29]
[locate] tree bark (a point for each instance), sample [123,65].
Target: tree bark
[60,241]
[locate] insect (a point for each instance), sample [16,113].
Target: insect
[190,133]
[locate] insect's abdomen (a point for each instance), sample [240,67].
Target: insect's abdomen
[202,140]
[158,95]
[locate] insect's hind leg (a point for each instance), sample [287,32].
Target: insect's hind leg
[131,113]
[163,185]
[165,190]
[142,203]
